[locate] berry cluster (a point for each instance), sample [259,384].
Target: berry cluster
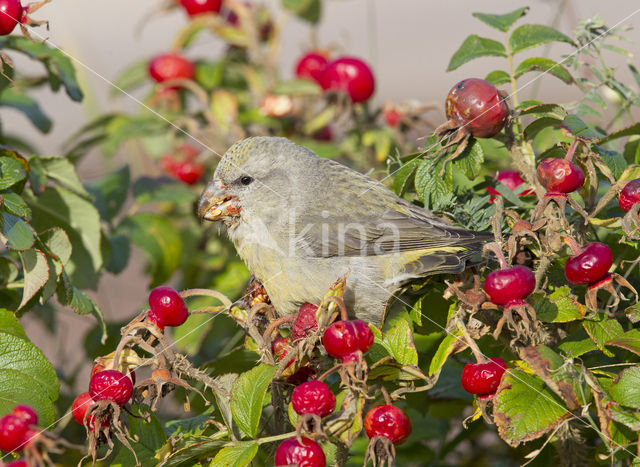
[16,431]
[347,74]
[182,164]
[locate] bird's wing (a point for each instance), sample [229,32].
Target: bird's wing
[366,219]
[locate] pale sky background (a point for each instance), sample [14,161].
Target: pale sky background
[408,42]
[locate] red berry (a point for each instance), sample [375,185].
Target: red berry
[560,175]
[182,165]
[591,265]
[477,105]
[343,339]
[13,432]
[305,454]
[26,414]
[630,195]
[323,134]
[511,179]
[392,116]
[313,397]
[350,75]
[364,335]
[507,285]
[305,323]
[280,347]
[79,408]
[483,378]
[311,66]
[167,307]
[111,385]
[10,15]
[171,66]
[98,367]
[196,7]
[389,422]
[189,172]
[18,463]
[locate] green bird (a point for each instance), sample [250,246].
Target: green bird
[300,222]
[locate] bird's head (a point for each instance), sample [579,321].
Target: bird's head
[253,178]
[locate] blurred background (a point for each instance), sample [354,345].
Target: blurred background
[408,43]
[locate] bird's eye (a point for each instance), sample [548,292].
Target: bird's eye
[246,180]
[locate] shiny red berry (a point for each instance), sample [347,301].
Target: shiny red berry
[171,66]
[111,385]
[364,335]
[483,378]
[389,422]
[350,75]
[508,285]
[305,454]
[167,307]
[10,15]
[98,367]
[79,408]
[189,172]
[311,66]
[343,339]
[560,175]
[477,105]
[511,179]
[630,195]
[305,323]
[197,7]
[313,397]
[26,414]
[591,265]
[13,433]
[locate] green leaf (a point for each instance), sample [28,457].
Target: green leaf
[298,87]
[28,106]
[540,124]
[247,397]
[164,189]
[159,239]
[559,307]
[630,341]
[9,324]
[574,125]
[308,10]
[150,438]
[57,243]
[15,233]
[239,455]
[63,172]
[445,349]
[602,330]
[14,204]
[134,75]
[625,389]
[525,409]
[399,343]
[576,344]
[59,207]
[471,161]
[633,313]
[119,250]
[621,133]
[430,183]
[58,64]
[502,22]
[110,192]
[404,175]
[209,75]
[36,273]
[498,77]
[614,160]
[630,419]
[533,35]
[475,47]
[546,66]
[552,110]
[25,374]
[12,170]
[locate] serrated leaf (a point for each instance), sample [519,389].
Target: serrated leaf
[298,87]
[602,330]
[559,307]
[574,125]
[57,243]
[14,204]
[12,171]
[614,160]
[26,376]
[576,344]
[630,341]
[553,110]
[239,455]
[475,47]
[158,238]
[36,273]
[15,233]
[164,189]
[28,106]
[430,183]
[404,175]
[625,389]
[59,207]
[525,409]
[399,343]
[621,133]
[110,192]
[498,77]
[247,397]
[630,419]
[546,66]
[150,437]
[502,22]
[532,35]
[63,172]
[471,160]
[308,10]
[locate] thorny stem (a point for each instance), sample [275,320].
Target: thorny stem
[572,150]
[495,248]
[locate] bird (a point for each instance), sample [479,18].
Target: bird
[300,222]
